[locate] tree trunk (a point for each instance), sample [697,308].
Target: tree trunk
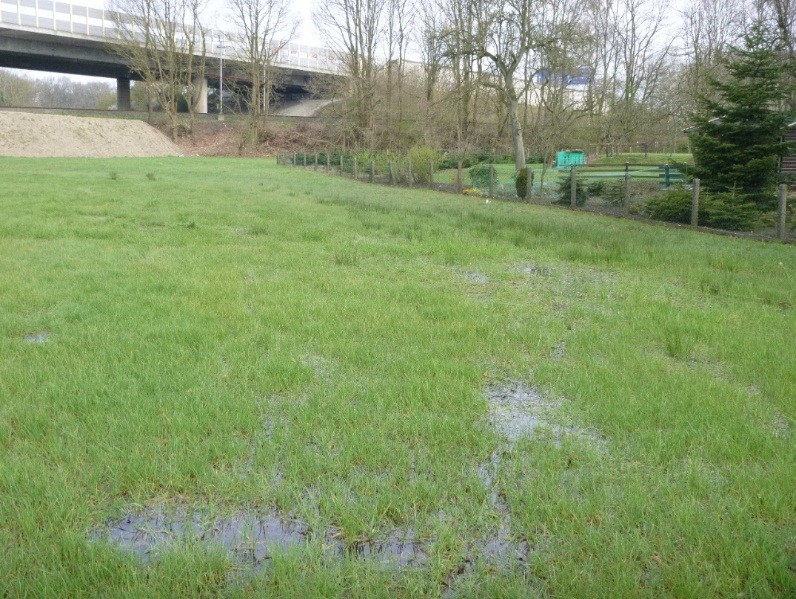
[516,134]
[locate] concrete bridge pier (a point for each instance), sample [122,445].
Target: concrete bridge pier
[200,100]
[123,94]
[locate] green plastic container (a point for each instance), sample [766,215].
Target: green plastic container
[568,158]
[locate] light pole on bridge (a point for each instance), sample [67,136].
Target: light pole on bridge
[221,46]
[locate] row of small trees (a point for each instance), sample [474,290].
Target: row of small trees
[166,43]
[496,74]
[58,92]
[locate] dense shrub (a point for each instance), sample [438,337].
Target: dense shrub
[473,158]
[565,191]
[423,159]
[595,188]
[673,206]
[720,211]
[479,175]
[723,211]
[521,182]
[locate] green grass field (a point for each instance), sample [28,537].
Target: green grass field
[223,336]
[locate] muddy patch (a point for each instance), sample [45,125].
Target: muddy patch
[38,337]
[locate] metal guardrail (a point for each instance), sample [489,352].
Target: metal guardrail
[82,22]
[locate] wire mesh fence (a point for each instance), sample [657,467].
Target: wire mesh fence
[659,192]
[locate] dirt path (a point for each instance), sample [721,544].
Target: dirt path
[41,135]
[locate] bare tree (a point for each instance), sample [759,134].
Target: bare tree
[631,52]
[398,24]
[709,27]
[353,28]
[781,14]
[265,27]
[506,36]
[164,43]
[458,36]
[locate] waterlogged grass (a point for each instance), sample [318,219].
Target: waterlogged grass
[231,335]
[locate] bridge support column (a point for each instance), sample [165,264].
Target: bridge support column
[123,95]
[200,100]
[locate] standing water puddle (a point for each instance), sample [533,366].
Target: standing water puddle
[38,338]
[398,549]
[516,410]
[251,538]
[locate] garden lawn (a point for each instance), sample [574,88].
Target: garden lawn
[226,335]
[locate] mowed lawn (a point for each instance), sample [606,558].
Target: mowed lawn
[224,335]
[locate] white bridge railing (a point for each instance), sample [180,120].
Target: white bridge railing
[82,22]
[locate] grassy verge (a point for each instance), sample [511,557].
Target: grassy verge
[233,335]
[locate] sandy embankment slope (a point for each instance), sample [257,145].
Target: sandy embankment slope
[41,135]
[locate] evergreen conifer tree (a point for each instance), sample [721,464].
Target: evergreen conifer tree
[736,140]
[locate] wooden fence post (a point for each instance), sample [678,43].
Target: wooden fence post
[431,173]
[391,172]
[695,204]
[341,164]
[316,161]
[372,170]
[782,232]
[459,183]
[491,180]
[573,187]
[356,168]
[304,158]
[295,159]
[410,176]
[328,162]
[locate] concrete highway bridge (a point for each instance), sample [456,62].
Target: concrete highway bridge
[48,35]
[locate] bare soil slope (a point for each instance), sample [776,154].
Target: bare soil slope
[41,135]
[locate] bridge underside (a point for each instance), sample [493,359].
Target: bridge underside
[76,56]
[57,54]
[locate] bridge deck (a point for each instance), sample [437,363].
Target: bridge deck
[67,25]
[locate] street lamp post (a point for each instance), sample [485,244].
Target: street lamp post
[221,47]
